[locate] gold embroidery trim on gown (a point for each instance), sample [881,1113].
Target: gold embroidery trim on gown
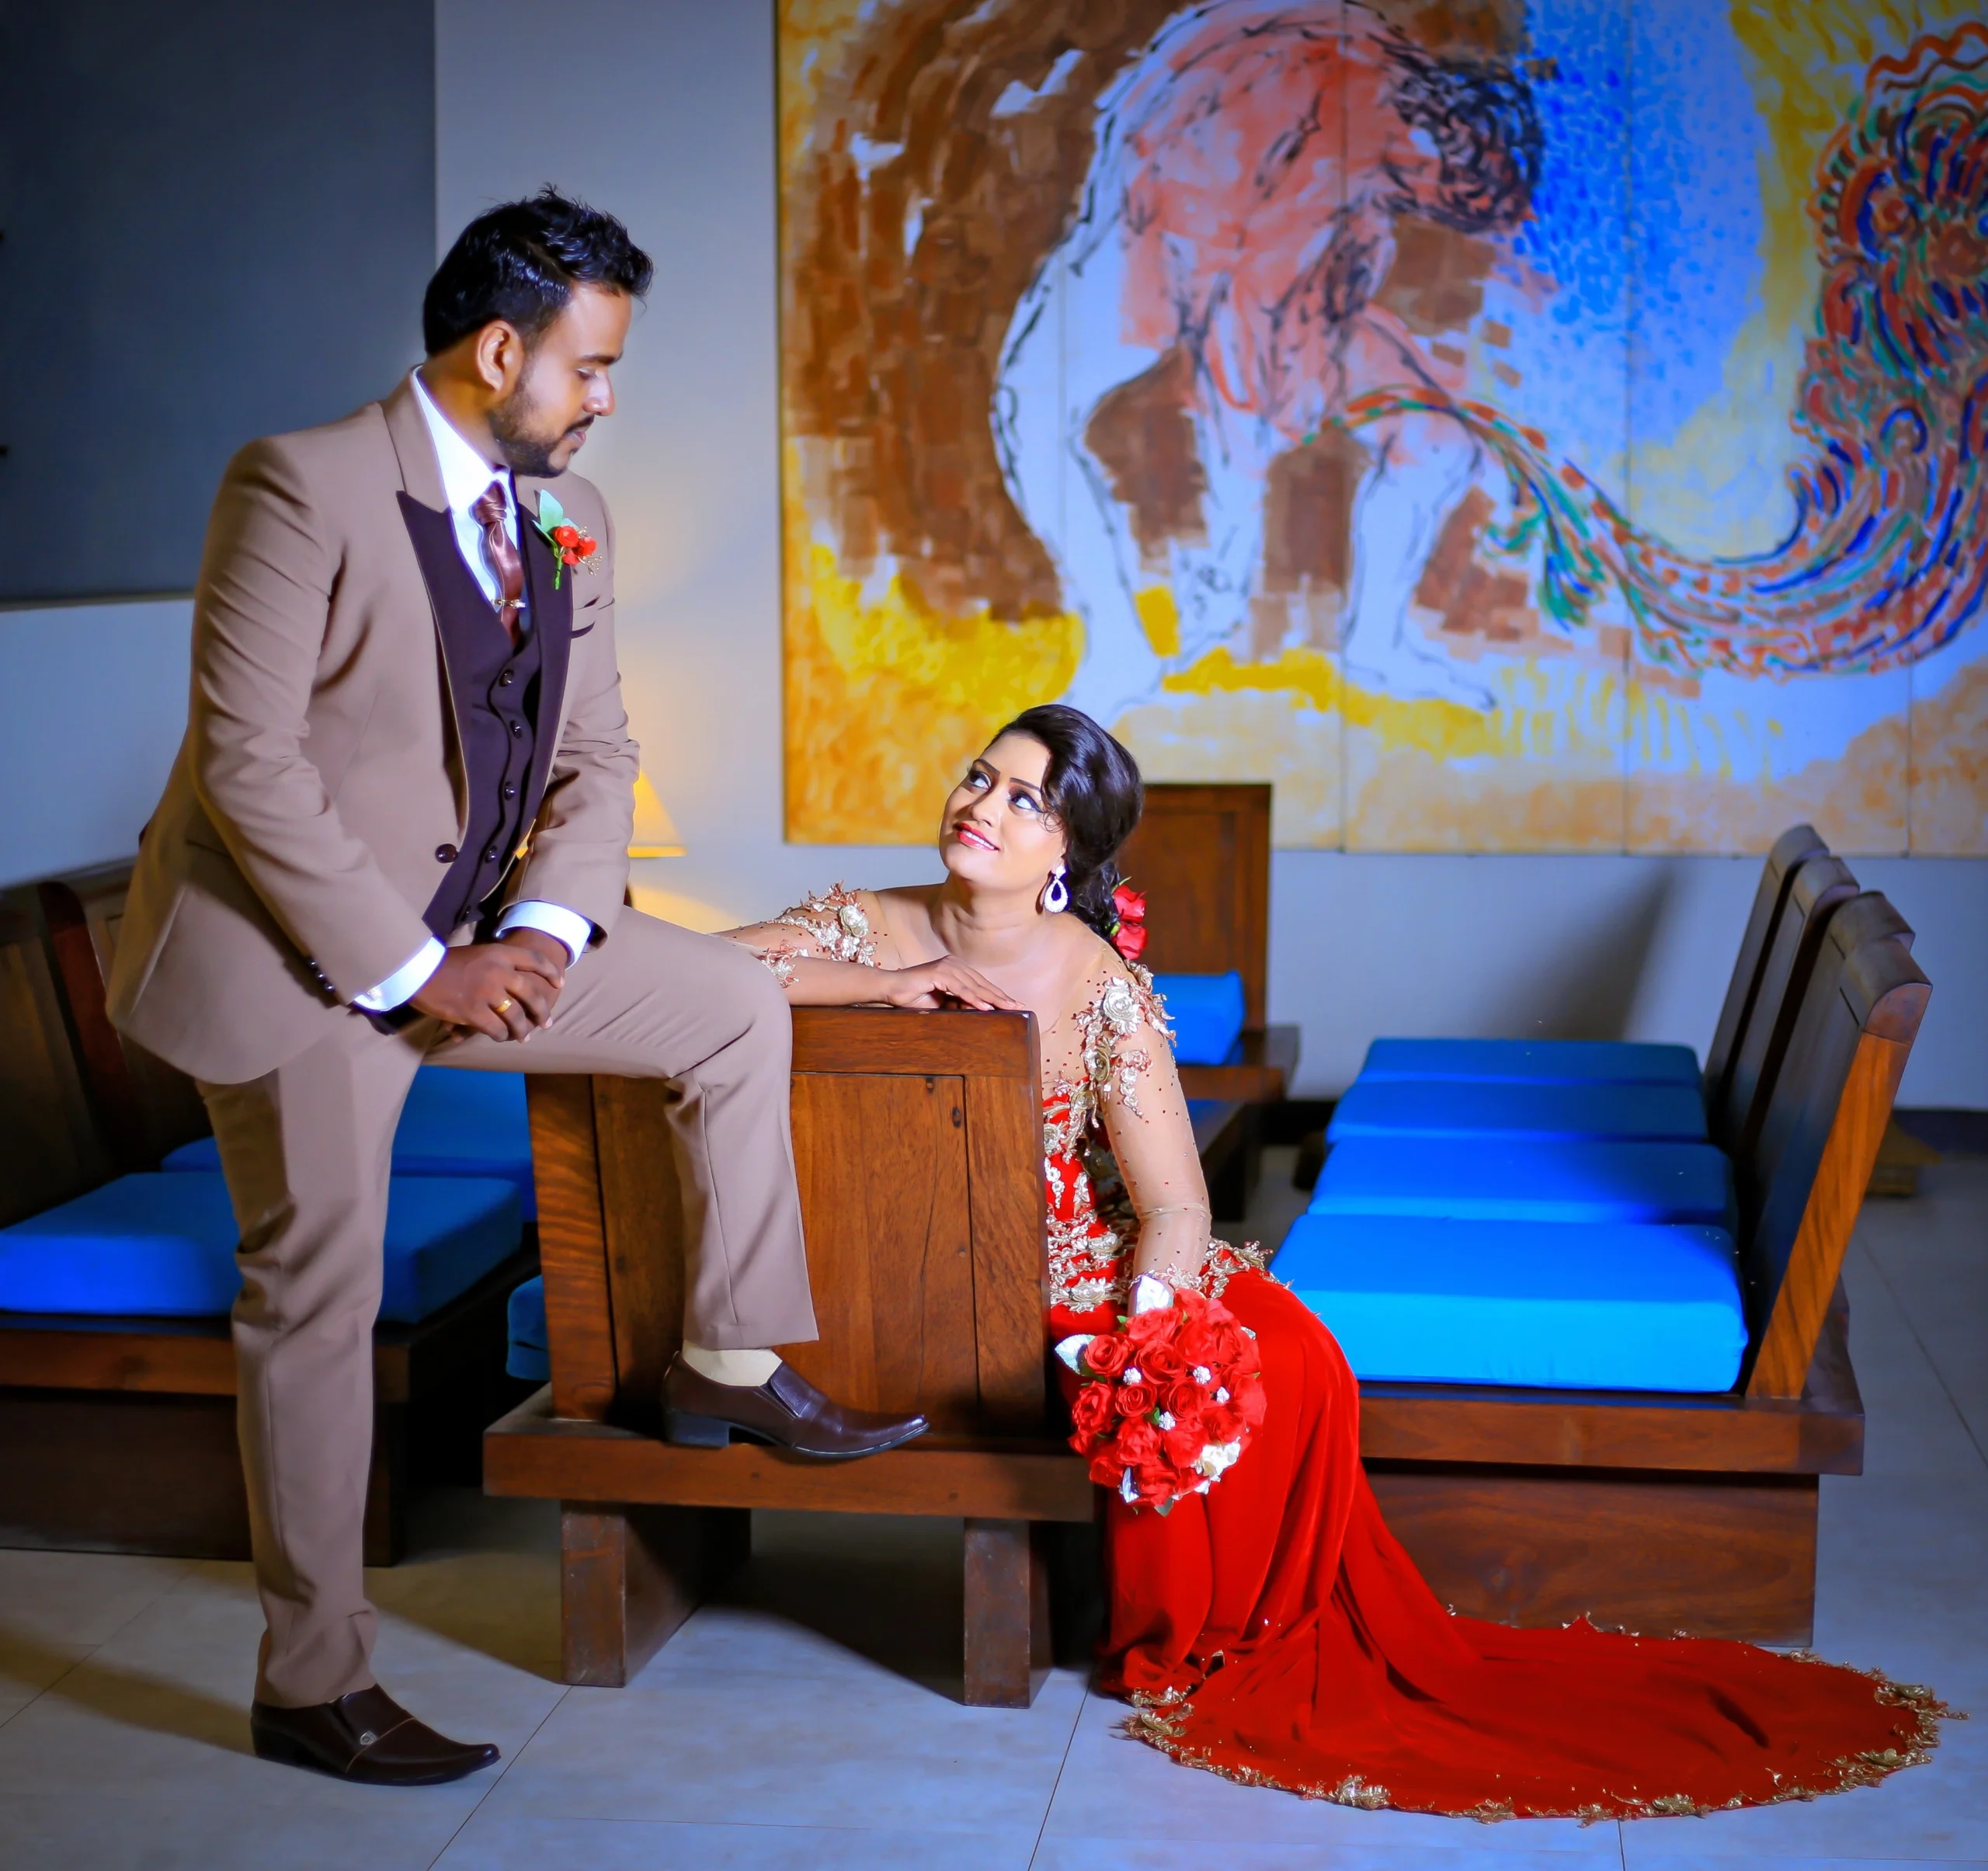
[1160,1718]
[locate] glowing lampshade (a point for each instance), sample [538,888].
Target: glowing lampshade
[655,834]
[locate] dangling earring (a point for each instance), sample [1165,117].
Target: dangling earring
[1056,896]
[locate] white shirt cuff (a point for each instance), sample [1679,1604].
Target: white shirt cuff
[563,925]
[405,981]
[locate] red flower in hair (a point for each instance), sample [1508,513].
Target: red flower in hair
[1128,929]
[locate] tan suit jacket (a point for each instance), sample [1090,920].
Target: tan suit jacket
[290,859]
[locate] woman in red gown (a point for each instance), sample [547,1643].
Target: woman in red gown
[1272,1629]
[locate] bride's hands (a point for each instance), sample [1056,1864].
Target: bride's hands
[943,982]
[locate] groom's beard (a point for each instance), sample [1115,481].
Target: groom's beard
[519,433]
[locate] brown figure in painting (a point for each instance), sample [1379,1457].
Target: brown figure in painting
[1252,167]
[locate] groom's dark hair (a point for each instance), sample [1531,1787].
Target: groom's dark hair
[520,262]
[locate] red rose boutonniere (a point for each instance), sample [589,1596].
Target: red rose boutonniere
[570,545]
[1128,926]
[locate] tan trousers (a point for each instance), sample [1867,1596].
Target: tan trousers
[306,1150]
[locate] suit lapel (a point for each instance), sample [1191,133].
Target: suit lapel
[552,619]
[425,507]
[407,427]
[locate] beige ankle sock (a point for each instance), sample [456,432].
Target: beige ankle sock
[748,1370]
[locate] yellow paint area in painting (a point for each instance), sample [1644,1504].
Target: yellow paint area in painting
[809,32]
[1446,730]
[888,700]
[1159,617]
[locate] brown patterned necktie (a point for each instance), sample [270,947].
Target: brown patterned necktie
[488,514]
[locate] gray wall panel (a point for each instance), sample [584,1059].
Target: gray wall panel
[218,219]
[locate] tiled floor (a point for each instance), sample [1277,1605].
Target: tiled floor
[814,1721]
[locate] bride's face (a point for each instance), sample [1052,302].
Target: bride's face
[999,831]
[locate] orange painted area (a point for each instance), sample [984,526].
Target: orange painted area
[1228,214]
[1949,803]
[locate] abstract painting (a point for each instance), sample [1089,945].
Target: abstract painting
[1505,426]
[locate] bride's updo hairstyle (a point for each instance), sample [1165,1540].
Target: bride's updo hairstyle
[1093,786]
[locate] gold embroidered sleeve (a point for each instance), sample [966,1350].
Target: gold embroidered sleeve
[833,927]
[1125,1031]
[1151,1133]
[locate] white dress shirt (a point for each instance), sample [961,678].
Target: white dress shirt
[466,477]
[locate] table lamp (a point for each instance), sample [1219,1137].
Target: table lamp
[655,834]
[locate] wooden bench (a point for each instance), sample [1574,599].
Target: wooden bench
[117,1433]
[917,1139]
[917,1142]
[1665,1513]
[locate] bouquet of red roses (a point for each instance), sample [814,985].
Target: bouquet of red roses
[1168,1401]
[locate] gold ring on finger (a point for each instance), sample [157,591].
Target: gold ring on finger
[504,1006]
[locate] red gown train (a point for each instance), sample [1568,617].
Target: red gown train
[1274,1632]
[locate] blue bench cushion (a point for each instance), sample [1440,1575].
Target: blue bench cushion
[455,1123]
[164,1245]
[1552,1304]
[1496,1179]
[1467,1108]
[529,1354]
[1208,1013]
[1532,1062]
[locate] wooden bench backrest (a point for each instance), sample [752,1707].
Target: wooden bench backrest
[918,1147]
[1201,856]
[1801,1185]
[50,1150]
[144,1106]
[1817,889]
[1792,848]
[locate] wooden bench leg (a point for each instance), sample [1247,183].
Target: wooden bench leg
[1007,1614]
[629,1576]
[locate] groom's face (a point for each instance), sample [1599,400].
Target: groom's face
[565,384]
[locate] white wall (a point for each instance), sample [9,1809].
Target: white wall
[676,136]
[92,702]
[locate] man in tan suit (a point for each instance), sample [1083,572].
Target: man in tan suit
[397,830]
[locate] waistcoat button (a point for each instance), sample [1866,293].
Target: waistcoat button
[510,792]
[490,856]
[445,853]
[517,727]
[504,681]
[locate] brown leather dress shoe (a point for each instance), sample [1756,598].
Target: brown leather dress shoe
[366,1737]
[786,1410]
